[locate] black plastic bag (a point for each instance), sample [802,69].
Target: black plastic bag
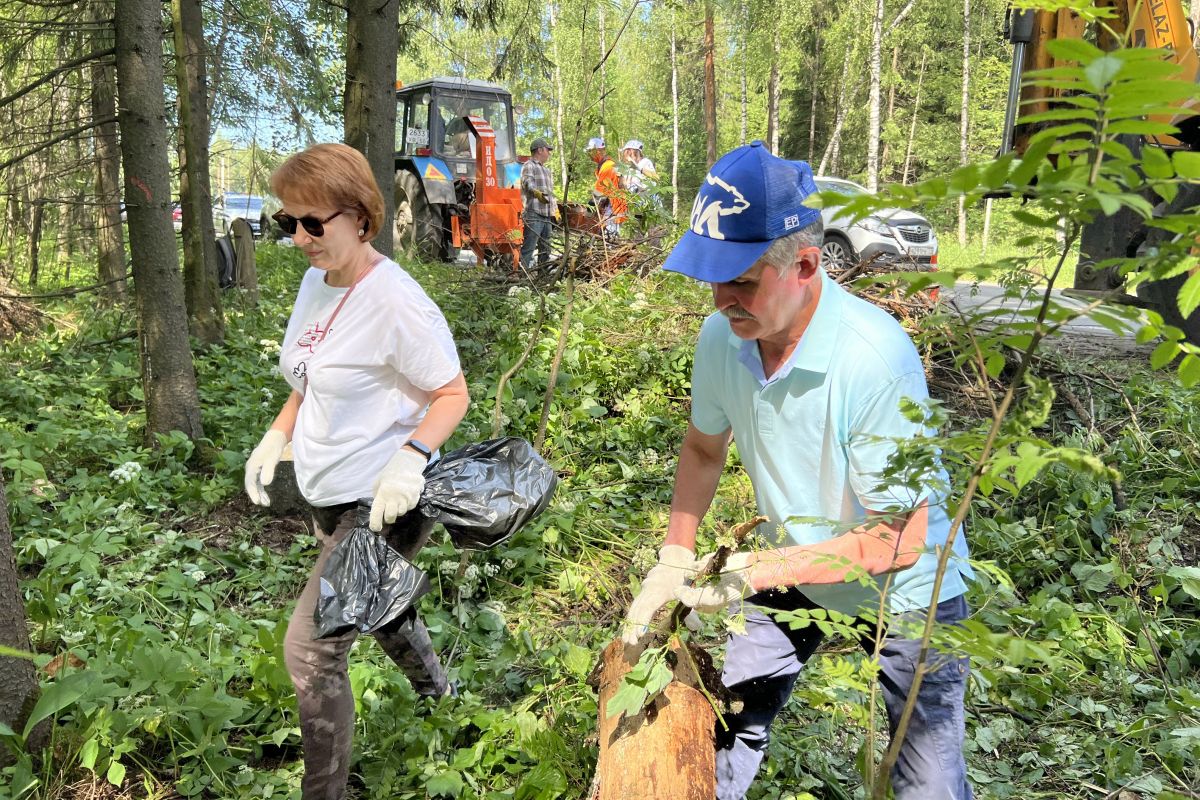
[485,492]
[365,584]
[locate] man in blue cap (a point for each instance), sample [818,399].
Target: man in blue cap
[808,380]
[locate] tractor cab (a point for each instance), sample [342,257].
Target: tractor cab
[436,157]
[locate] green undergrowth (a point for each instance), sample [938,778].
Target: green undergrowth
[158,598]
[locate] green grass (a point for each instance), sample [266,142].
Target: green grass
[175,595]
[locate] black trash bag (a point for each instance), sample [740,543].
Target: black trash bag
[485,492]
[365,584]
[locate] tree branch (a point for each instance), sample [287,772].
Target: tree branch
[96,123]
[903,13]
[67,67]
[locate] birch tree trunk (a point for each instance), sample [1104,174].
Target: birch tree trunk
[710,85]
[603,67]
[916,112]
[965,117]
[202,293]
[874,101]
[774,93]
[745,47]
[168,377]
[832,149]
[894,77]
[812,109]
[560,97]
[370,101]
[674,121]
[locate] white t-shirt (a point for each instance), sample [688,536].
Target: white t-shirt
[368,381]
[642,175]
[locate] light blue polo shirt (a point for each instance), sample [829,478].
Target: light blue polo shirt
[809,437]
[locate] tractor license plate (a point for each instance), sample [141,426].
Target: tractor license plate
[915,250]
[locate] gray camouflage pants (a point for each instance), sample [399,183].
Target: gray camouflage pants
[319,668]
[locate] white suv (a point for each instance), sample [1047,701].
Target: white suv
[889,236]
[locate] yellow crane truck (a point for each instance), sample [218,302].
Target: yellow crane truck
[1143,23]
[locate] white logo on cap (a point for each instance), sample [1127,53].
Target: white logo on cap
[791,222]
[707,211]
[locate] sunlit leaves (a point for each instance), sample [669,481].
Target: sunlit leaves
[641,684]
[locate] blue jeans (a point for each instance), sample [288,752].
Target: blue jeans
[537,236]
[762,666]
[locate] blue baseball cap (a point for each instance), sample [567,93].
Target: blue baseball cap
[749,199]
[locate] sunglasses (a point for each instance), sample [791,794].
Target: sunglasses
[312,226]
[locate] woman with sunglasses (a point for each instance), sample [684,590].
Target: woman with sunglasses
[376,389]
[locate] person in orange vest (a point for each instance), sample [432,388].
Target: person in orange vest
[607,193]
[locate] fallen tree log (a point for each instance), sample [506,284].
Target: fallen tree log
[667,751]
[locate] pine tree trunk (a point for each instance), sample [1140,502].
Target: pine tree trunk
[774,93]
[18,676]
[964,119]
[202,293]
[370,101]
[168,377]
[674,121]
[710,85]
[916,112]
[35,239]
[874,101]
[987,225]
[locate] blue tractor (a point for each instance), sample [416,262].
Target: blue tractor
[435,158]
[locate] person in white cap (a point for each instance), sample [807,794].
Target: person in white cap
[607,194]
[641,174]
[809,380]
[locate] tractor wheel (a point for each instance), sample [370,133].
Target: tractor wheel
[1164,295]
[417,230]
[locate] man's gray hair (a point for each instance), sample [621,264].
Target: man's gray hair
[782,253]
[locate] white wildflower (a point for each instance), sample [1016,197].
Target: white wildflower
[127,472]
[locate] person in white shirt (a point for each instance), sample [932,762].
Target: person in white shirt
[376,389]
[640,174]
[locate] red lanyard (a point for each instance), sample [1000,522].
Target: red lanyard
[333,316]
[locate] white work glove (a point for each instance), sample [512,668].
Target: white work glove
[730,586]
[398,487]
[260,467]
[676,565]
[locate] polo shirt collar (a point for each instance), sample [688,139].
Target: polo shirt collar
[817,343]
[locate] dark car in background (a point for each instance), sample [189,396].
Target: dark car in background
[230,206]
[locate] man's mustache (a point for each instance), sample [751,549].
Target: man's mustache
[733,312]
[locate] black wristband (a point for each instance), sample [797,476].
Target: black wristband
[420,448]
